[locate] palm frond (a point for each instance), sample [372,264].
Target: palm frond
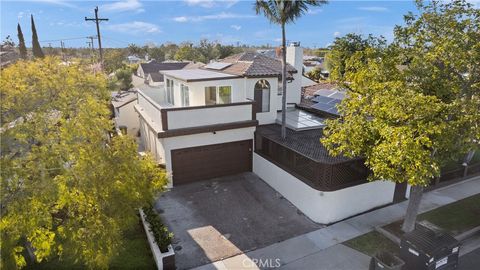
[285,11]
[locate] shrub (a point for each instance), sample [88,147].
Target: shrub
[160,232]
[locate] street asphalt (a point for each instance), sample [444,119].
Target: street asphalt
[470,261]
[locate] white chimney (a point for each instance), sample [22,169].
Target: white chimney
[295,58]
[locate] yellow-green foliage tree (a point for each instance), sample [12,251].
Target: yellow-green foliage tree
[414,105]
[68,188]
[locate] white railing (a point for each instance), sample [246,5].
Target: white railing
[150,107]
[205,115]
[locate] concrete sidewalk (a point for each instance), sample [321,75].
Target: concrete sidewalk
[321,249]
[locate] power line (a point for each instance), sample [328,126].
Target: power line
[62,39]
[97,20]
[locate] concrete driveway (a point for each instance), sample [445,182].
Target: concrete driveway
[223,217]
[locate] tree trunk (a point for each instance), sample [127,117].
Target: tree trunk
[416,193]
[284,83]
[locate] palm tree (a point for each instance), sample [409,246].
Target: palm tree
[282,12]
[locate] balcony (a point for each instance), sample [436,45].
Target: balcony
[171,121]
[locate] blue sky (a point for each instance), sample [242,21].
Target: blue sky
[227,21]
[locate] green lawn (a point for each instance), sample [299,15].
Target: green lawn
[136,254]
[372,242]
[456,217]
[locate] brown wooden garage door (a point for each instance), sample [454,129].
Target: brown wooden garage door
[210,161]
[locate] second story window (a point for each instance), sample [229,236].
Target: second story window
[170,96]
[225,94]
[185,95]
[210,95]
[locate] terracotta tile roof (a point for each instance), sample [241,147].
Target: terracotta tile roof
[252,64]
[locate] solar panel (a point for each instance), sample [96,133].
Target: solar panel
[321,106]
[338,95]
[218,65]
[322,99]
[333,110]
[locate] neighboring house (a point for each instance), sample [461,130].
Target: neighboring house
[133,59]
[155,67]
[312,62]
[124,113]
[223,119]
[155,79]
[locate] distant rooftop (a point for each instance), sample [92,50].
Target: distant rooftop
[253,64]
[154,66]
[192,75]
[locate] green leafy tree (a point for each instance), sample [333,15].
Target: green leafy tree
[124,77]
[36,48]
[170,50]
[315,74]
[187,52]
[226,50]
[133,49]
[207,50]
[68,188]
[414,105]
[156,53]
[21,43]
[282,12]
[114,59]
[344,48]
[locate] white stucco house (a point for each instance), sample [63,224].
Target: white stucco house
[222,119]
[123,111]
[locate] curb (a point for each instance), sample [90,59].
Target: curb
[388,235]
[465,235]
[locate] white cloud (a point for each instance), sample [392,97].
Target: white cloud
[202,3]
[57,2]
[219,16]
[374,9]
[20,14]
[126,5]
[135,27]
[278,40]
[336,34]
[180,19]
[211,3]
[236,27]
[314,11]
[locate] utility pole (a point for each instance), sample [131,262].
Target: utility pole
[91,41]
[97,21]
[62,48]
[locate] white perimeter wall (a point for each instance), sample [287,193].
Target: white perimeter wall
[127,116]
[324,207]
